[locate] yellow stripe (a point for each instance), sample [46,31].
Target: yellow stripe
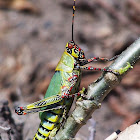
[66,63]
[38,137]
[58,111]
[30,106]
[43,132]
[48,125]
[53,118]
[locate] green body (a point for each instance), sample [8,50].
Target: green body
[52,120]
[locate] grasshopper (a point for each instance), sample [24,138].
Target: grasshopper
[63,87]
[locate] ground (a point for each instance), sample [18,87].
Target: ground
[32,40]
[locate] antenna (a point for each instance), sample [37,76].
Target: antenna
[73,18]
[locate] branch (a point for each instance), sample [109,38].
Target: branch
[96,93]
[8,130]
[131,132]
[5,128]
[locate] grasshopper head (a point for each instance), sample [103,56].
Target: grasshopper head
[74,50]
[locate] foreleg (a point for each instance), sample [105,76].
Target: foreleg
[98,59]
[117,72]
[96,69]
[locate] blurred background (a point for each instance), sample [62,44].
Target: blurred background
[33,35]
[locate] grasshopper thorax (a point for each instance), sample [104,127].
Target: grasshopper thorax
[74,50]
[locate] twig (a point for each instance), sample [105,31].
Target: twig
[5,128]
[98,91]
[135,5]
[131,132]
[122,19]
[117,15]
[113,136]
[12,130]
[92,129]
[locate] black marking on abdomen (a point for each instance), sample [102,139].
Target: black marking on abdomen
[41,135]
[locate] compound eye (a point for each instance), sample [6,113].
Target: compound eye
[70,46]
[69,50]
